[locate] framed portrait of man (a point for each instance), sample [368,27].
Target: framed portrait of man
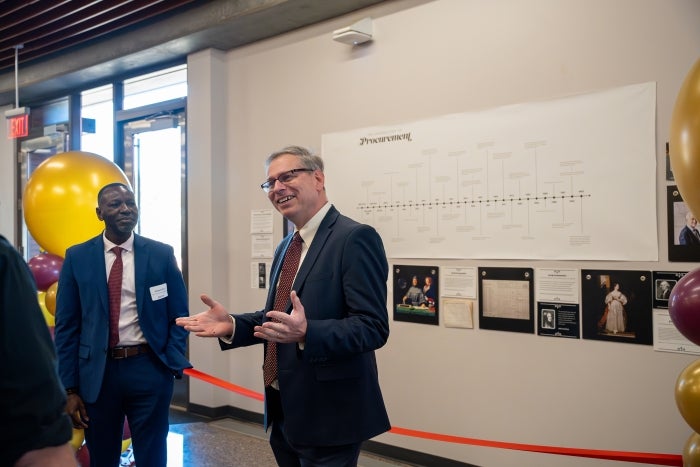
[683,228]
[664,282]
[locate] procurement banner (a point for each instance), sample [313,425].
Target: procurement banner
[566,179]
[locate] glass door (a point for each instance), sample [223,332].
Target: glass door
[155,163]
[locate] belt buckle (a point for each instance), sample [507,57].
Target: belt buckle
[120,352]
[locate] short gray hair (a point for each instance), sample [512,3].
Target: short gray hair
[307,159]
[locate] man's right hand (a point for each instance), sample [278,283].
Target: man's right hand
[214,322]
[76,409]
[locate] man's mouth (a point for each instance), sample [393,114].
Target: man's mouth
[285,199]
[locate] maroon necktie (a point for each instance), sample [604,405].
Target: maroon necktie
[114,286]
[284,288]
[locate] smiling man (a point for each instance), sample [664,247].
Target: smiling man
[117,343]
[322,395]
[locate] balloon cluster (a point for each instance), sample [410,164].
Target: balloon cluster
[59,209]
[684,302]
[82,453]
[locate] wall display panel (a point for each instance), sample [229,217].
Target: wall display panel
[416,294]
[506,299]
[617,306]
[543,180]
[664,282]
[558,320]
[683,228]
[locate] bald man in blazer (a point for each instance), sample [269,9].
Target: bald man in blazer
[133,378]
[326,399]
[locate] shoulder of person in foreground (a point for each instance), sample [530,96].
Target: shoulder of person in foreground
[31,397]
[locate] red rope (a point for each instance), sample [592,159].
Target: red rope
[223,384]
[622,456]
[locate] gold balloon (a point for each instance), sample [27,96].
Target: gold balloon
[684,140]
[61,195]
[78,438]
[688,395]
[50,298]
[50,320]
[691,451]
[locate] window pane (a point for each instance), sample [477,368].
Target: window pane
[158,178]
[155,87]
[97,104]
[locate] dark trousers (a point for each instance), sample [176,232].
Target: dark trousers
[139,388]
[288,454]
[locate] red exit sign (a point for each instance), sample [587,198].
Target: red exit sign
[18,127]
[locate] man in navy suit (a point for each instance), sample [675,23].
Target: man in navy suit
[689,233]
[326,399]
[134,377]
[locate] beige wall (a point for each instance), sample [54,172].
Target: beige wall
[431,58]
[7,181]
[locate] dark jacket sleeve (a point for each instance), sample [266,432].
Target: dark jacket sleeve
[32,399]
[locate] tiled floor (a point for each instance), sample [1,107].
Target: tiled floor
[198,441]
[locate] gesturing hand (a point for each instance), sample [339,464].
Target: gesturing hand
[283,327]
[214,322]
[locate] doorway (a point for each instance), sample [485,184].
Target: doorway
[155,163]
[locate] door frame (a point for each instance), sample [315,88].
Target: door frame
[153,115]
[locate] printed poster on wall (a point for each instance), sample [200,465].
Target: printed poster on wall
[416,294]
[565,179]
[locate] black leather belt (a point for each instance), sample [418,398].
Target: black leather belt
[126,351]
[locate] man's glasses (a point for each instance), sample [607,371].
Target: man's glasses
[284,178]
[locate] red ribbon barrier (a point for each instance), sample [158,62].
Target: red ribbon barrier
[622,456]
[223,384]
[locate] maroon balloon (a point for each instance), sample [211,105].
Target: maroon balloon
[127,430]
[83,456]
[684,306]
[45,267]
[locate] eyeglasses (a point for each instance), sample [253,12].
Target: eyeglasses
[284,178]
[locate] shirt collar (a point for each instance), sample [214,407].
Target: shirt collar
[128,245]
[308,232]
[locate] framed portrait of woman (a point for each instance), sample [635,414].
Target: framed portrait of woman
[617,306]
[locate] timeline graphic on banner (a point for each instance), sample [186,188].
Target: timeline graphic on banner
[572,178]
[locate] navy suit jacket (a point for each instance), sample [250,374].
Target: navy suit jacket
[687,237]
[330,390]
[82,311]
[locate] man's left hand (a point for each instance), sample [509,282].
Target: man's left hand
[283,327]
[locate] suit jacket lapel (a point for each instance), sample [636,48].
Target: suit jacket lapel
[140,262]
[324,231]
[97,251]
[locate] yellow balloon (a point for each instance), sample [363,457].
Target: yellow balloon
[78,438]
[50,298]
[688,395]
[684,140]
[50,320]
[691,451]
[61,195]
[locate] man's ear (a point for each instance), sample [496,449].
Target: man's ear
[99,215]
[320,179]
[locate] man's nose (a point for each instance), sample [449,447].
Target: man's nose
[274,184]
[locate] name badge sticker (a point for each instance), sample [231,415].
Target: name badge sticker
[159,291]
